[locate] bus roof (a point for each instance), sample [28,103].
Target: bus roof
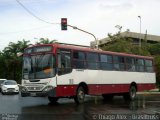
[88,49]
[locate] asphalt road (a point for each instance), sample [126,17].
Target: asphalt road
[14,107]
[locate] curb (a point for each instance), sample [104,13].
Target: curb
[148,93]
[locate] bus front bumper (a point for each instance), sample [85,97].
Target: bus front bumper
[47,91]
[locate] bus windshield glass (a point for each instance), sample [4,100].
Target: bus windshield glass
[39,66]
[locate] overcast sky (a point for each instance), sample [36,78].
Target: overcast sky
[96,16]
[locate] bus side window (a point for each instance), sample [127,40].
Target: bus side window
[130,64]
[139,65]
[64,62]
[79,60]
[106,62]
[148,65]
[116,63]
[92,61]
[121,61]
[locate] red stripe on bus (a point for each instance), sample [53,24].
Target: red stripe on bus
[70,90]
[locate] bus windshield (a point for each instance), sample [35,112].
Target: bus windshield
[39,66]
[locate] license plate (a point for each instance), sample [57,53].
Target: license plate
[33,94]
[10,91]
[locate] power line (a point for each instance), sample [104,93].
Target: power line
[33,13]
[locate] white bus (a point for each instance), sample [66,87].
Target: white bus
[58,70]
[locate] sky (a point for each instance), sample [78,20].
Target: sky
[98,17]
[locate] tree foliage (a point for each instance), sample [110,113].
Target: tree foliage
[46,41]
[157,68]
[155,49]
[119,43]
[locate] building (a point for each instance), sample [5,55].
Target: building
[132,35]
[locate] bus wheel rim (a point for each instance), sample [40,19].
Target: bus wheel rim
[133,92]
[81,95]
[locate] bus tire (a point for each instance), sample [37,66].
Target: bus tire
[108,97]
[131,95]
[80,95]
[53,99]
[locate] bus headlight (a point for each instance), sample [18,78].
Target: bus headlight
[48,88]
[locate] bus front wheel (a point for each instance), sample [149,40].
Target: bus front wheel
[131,95]
[80,95]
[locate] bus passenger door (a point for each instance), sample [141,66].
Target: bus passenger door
[64,73]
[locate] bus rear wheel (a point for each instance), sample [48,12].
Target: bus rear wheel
[53,99]
[131,95]
[80,95]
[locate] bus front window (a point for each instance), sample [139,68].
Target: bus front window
[39,66]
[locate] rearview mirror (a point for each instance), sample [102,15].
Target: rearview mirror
[19,54]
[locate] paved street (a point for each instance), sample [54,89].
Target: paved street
[40,108]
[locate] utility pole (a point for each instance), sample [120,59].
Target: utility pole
[140,32]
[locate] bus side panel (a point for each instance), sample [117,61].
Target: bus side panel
[115,88]
[108,88]
[119,82]
[94,89]
[142,87]
[103,82]
[66,90]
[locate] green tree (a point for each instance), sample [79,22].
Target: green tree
[14,48]
[154,49]
[23,44]
[11,65]
[119,43]
[46,41]
[157,69]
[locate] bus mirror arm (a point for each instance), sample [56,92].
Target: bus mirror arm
[19,54]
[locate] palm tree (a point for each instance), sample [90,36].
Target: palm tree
[13,64]
[46,41]
[14,48]
[23,44]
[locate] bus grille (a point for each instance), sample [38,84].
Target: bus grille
[35,88]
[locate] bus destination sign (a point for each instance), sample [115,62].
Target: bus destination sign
[38,49]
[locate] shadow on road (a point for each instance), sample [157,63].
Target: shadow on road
[67,109]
